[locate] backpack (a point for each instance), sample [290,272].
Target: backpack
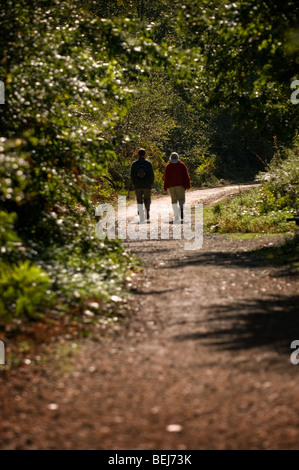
[141,172]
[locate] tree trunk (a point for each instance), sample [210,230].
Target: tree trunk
[140,9]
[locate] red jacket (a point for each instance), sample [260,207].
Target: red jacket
[176,174]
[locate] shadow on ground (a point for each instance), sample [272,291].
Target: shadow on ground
[237,259]
[155,292]
[251,323]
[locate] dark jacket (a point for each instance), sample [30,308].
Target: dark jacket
[148,180]
[176,174]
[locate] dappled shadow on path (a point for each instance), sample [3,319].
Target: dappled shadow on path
[155,246]
[250,323]
[236,259]
[155,292]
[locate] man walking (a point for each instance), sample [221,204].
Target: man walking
[177,180]
[142,177]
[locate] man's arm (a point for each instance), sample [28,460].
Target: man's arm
[132,174]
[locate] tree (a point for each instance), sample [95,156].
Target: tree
[60,63]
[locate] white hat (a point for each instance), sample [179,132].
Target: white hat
[174,157]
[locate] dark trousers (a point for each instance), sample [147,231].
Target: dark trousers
[143,196]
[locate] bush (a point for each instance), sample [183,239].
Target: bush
[281,189]
[23,291]
[245,213]
[264,209]
[56,146]
[204,173]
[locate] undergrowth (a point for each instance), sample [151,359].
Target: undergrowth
[265,209]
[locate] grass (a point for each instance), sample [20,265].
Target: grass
[250,215]
[245,213]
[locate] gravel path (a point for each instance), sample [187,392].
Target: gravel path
[203,362]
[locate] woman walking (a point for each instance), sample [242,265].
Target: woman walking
[177,180]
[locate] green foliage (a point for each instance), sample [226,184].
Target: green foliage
[61,65]
[87,83]
[245,213]
[281,190]
[246,53]
[148,123]
[86,268]
[205,171]
[7,234]
[247,56]
[264,209]
[23,291]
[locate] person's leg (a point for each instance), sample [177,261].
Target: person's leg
[181,198]
[139,197]
[174,201]
[147,201]
[182,208]
[176,213]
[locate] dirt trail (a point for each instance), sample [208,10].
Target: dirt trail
[205,196]
[202,363]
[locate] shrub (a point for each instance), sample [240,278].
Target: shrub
[23,291]
[204,173]
[281,190]
[263,209]
[246,213]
